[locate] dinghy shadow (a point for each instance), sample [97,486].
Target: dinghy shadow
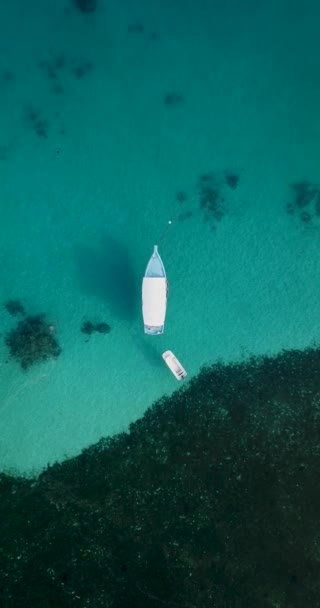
[148,350]
[106,273]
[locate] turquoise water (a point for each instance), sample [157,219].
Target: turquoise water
[92,159]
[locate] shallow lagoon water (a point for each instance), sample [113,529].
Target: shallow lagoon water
[92,159]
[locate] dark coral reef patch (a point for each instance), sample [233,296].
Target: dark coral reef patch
[14,307]
[211,198]
[173,99]
[89,328]
[305,203]
[181,196]
[57,68]
[304,194]
[213,194]
[136,27]
[81,68]
[39,124]
[232,180]
[32,341]
[86,6]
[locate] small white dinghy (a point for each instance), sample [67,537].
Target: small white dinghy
[174,364]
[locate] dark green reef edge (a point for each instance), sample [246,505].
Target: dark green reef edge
[211,500]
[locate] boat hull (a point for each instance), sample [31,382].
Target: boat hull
[154,296]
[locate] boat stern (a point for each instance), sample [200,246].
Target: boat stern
[154,330]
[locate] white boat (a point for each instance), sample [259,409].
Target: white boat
[174,364]
[154,295]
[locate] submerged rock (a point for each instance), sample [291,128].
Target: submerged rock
[232,180]
[103,328]
[181,196]
[211,199]
[14,307]
[89,328]
[32,341]
[173,99]
[136,27]
[304,194]
[305,202]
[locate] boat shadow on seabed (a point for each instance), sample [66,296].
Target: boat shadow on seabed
[149,350]
[106,273]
